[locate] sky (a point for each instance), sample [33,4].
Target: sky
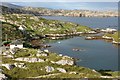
[72,5]
[59,0]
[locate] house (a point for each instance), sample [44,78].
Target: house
[108,30]
[16,44]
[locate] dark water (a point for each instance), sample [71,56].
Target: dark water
[97,54]
[93,22]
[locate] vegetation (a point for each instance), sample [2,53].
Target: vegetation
[38,69]
[40,26]
[115,36]
[10,32]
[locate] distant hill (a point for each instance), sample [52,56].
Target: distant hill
[10,5]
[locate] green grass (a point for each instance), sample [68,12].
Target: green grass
[115,36]
[25,52]
[31,24]
[38,69]
[11,31]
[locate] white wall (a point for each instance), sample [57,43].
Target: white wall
[16,46]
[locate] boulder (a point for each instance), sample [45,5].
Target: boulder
[33,60]
[2,76]
[49,69]
[39,51]
[46,51]
[41,60]
[8,66]
[6,53]
[9,56]
[73,72]
[65,62]
[13,51]
[20,65]
[38,55]
[26,59]
[19,59]
[60,55]
[30,59]
[61,70]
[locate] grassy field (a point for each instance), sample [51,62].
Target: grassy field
[38,69]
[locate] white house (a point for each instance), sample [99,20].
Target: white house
[108,30]
[16,44]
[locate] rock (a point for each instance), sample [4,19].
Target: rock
[61,70]
[19,59]
[9,56]
[65,62]
[60,55]
[66,57]
[41,60]
[32,60]
[39,51]
[73,73]
[49,69]
[6,53]
[52,62]
[94,70]
[2,76]
[46,51]
[20,65]
[26,59]
[38,55]
[8,66]
[12,51]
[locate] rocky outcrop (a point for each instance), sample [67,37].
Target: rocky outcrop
[65,62]
[31,60]
[8,66]
[61,70]
[20,65]
[49,69]
[2,76]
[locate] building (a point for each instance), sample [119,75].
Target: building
[16,44]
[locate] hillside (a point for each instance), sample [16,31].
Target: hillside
[39,26]
[11,31]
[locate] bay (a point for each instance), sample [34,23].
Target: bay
[96,54]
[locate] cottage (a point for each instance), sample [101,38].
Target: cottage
[16,44]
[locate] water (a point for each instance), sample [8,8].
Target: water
[98,54]
[93,22]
